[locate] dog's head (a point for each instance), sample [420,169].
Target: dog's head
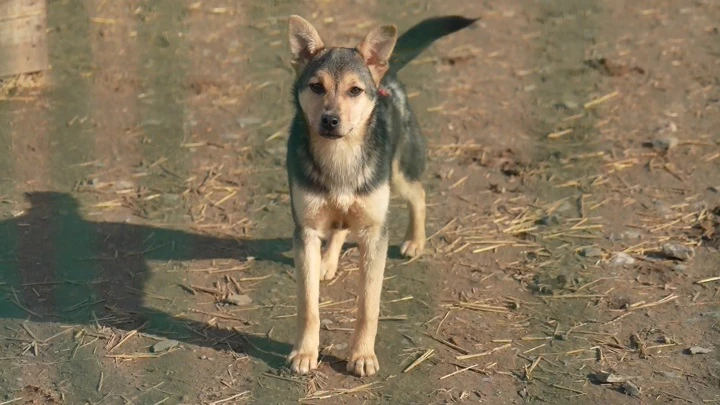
[337,87]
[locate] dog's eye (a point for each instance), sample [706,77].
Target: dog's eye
[355,91]
[317,88]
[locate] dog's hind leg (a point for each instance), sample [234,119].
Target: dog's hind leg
[331,254]
[414,195]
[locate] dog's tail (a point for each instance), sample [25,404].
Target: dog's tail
[418,38]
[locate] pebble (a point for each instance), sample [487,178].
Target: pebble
[662,208]
[592,252]
[631,389]
[632,234]
[669,374]
[549,220]
[164,346]
[169,198]
[123,185]
[680,268]
[604,377]
[678,251]
[326,321]
[622,259]
[340,347]
[239,299]
[698,350]
[665,144]
[245,121]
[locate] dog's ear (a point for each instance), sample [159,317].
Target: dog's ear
[376,49]
[304,42]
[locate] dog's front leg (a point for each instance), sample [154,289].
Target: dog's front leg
[304,356]
[373,243]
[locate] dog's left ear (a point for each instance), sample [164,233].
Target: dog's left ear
[376,49]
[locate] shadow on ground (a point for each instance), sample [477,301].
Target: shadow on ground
[59,267]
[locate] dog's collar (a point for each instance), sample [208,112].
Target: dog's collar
[383,92]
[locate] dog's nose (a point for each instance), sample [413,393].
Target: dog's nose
[330,121]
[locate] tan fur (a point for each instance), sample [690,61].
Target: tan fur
[307,262]
[318,215]
[331,254]
[340,211]
[414,195]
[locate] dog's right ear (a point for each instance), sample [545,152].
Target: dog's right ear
[304,42]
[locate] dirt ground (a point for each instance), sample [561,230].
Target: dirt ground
[573,208]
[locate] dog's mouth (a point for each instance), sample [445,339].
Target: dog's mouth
[330,135]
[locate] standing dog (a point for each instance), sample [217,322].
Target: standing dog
[352,140]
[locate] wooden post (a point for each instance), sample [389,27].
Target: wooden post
[23,38]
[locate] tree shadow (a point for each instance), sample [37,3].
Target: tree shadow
[58,267]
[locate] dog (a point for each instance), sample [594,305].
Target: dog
[354,139]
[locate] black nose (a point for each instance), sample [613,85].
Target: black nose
[330,121]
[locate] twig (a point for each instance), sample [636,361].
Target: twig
[707,280]
[230,398]
[428,353]
[658,302]
[462,370]
[485,353]
[448,344]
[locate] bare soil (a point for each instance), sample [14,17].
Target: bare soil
[573,208]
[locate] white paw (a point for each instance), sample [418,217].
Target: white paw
[363,364]
[303,361]
[412,248]
[328,270]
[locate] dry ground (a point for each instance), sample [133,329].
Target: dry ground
[573,216]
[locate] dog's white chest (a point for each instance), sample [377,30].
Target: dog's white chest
[341,209]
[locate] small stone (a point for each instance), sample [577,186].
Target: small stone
[164,346]
[669,374]
[631,234]
[245,121]
[230,136]
[340,347]
[123,185]
[677,251]
[592,252]
[622,259]
[665,143]
[680,268]
[630,389]
[604,377]
[698,350]
[565,206]
[238,299]
[663,209]
[549,220]
[169,198]
[326,321]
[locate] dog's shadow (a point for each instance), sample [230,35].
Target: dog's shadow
[58,267]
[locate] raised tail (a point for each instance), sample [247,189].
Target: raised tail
[418,38]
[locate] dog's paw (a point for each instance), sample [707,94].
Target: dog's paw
[412,248]
[303,361]
[363,364]
[328,270]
